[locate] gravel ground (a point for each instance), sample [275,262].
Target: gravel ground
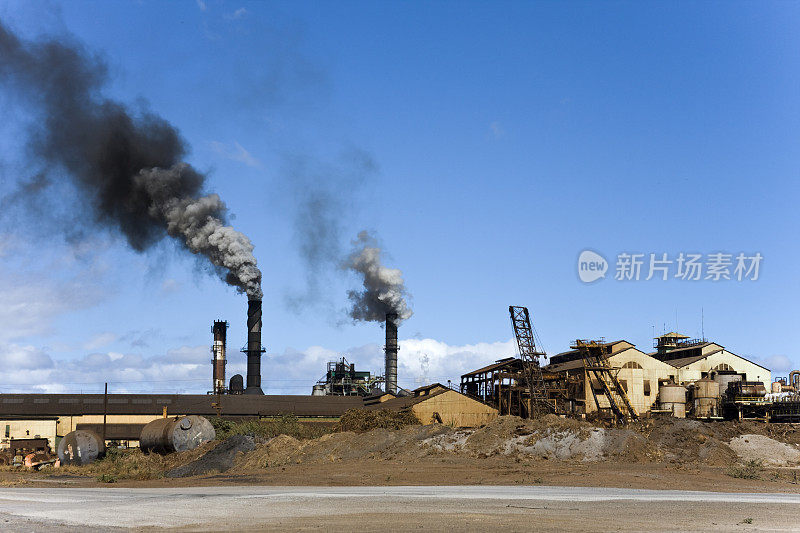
[515,508]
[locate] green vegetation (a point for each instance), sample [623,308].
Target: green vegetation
[360,420]
[283,425]
[750,470]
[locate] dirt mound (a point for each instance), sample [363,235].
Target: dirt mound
[765,450]
[218,459]
[381,444]
[681,440]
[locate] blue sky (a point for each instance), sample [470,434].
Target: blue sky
[506,138]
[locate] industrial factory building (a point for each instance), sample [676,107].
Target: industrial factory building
[576,384]
[697,359]
[54,415]
[439,404]
[639,374]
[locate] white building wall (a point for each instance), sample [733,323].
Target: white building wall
[752,372]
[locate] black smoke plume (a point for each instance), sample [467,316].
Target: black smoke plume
[128,168]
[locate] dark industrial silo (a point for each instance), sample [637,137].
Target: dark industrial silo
[237,384]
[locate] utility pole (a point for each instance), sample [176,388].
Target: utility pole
[105,412]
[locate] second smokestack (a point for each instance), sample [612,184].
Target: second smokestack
[391,352]
[218,350]
[254,348]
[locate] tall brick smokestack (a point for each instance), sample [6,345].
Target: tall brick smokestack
[220,331]
[254,349]
[391,352]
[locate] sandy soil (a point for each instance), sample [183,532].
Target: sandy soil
[655,454]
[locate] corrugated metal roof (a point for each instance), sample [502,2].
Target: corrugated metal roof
[502,363]
[187,404]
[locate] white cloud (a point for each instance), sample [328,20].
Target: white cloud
[188,368]
[14,357]
[31,304]
[236,15]
[202,5]
[496,129]
[778,364]
[100,340]
[235,152]
[168,286]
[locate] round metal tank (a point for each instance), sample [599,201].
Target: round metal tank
[777,386]
[236,384]
[673,397]
[706,396]
[80,447]
[167,435]
[318,390]
[725,379]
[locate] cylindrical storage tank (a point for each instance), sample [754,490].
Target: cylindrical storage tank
[673,397]
[236,385]
[706,398]
[80,447]
[318,390]
[725,379]
[167,435]
[777,386]
[750,389]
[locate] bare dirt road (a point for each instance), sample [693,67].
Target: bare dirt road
[513,508]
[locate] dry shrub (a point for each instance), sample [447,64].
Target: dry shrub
[360,420]
[750,470]
[267,429]
[132,463]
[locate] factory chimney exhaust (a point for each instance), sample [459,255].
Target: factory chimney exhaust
[219,329]
[254,348]
[391,352]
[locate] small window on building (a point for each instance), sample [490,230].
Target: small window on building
[8,431]
[624,385]
[632,364]
[647,387]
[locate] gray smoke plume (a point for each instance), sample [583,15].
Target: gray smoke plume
[128,168]
[384,289]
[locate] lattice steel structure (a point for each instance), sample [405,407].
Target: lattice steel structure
[539,400]
[599,370]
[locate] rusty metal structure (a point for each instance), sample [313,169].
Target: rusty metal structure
[599,371]
[390,350]
[220,332]
[254,349]
[538,399]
